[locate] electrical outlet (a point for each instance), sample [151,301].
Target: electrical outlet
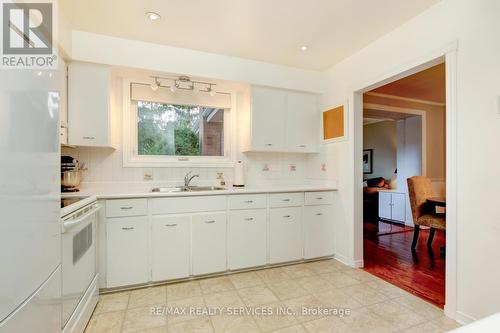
[293,167]
[323,166]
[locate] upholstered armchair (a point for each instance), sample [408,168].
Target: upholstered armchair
[424,214]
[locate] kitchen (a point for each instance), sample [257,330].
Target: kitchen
[160,164]
[191,225]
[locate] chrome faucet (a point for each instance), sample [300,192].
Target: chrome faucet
[188,178]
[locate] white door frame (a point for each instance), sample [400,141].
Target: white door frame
[447,54]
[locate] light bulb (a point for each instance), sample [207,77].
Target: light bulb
[212,92]
[152,16]
[155,85]
[173,88]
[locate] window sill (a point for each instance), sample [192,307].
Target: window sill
[173,163]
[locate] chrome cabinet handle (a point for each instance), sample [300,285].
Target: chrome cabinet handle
[171,225]
[249,201]
[249,219]
[302,146]
[319,198]
[286,200]
[89,137]
[286,216]
[128,228]
[319,214]
[126,208]
[269,144]
[210,222]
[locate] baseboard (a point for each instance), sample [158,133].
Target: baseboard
[463,318]
[349,262]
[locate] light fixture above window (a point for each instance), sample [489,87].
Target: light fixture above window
[184,83]
[153,17]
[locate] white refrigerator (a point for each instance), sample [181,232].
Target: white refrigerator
[30,234]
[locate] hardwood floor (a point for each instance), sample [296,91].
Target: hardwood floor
[388,255]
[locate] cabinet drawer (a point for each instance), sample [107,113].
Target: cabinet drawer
[247,201]
[126,207]
[318,198]
[286,199]
[188,204]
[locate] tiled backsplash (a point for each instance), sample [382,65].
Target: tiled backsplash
[106,165]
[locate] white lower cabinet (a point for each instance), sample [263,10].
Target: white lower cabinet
[285,234]
[161,239]
[392,205]
[247,238]
[170,247]
[127,243]
[208,248]
[318,231]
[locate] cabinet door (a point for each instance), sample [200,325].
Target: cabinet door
[127,251]
[285,234]
[318,231]
[208,243]
[384,205]
[170,247]
[89,89]
[247,239]
[302,122]
[268,119]
[398,207]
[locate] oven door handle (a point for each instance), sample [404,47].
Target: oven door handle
[71,223]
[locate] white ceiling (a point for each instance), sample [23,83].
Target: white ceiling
[267,30]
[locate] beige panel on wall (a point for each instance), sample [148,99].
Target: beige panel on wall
[333,123]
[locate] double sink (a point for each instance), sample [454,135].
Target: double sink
[186,189]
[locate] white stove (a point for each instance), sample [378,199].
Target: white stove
[79,270]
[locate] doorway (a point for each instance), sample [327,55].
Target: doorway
[387,239]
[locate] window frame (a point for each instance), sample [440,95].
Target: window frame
[131,158]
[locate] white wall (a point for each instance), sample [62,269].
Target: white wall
[409,156]
[381,137]
[114,51]
[475,26]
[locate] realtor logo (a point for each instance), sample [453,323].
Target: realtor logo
[27,35]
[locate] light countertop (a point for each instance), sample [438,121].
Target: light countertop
[122,191]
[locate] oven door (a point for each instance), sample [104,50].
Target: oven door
[78,256]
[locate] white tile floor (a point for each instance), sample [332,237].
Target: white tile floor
[376,306]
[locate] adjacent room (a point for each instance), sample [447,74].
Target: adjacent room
[404,134]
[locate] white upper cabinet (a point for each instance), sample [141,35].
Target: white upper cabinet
[281,121]
[268,116]
[89,105]
[302,120]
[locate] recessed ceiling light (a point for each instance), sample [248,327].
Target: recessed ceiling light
[303,48]
[152,16]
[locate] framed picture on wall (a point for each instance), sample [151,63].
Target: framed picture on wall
[335,123]
[368,161]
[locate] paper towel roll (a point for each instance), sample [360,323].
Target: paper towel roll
[239,175]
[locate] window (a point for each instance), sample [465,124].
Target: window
[179,130]
[162,128]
